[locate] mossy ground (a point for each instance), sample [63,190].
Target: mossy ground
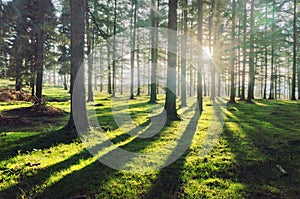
[42,162]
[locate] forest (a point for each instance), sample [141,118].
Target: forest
[149,99]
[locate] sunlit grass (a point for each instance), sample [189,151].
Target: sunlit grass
[242,163]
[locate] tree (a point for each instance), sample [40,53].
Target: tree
[133,42]
[266,52]
[77,58]
[114,51]
[293,96]
[154,24]
[271,95]
[200,67]
[40,48]
[232,57]
[184,54]
[90,58]
[251,58]
[170,103]
[242,97]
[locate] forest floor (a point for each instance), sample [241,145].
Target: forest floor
[38,160]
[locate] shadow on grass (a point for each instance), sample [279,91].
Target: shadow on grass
[74,184]
[106,118]
[37,141]
[259,145]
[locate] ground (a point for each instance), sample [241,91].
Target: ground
[41,161]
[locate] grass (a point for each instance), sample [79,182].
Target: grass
[42,162]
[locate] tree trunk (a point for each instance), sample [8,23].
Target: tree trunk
[293,97]
[40,48]
[184,54]
[266,54]
[77,72]
[251,57]
[170,104]
[154,23]
[232,57]
[114,52]
[90,60]
[133,26]
[109,90]
[244,52]
[200,66]
[271,95]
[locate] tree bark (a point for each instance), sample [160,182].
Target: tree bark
[133,26]
[271,95]
[184,54]
[77,72]
[200,66]
[242,98]
[232,57]
[40,48]
[170,104]
[114,52]
[251,57]
[90,60]
[293,97]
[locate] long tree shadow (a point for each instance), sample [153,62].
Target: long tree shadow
[36,141]
[106,115]
[169,182]
[257,153]
[35,185]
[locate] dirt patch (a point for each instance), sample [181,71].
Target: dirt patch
[35,111]
[7,95]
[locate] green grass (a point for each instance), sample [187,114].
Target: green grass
[41,162]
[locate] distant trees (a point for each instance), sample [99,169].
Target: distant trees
[253,52]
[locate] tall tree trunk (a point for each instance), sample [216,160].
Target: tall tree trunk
[90,60]
[244,52]
[232,57]
[184,54]
[170,104]
[200,66]
[109,90]
[40,48]
[251,57]
[271,95]
[138,68]
[114,52]
[133,26]
[215,25]
[293,97]
[154,35]
[109,87]
[266,54]
[77,72]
